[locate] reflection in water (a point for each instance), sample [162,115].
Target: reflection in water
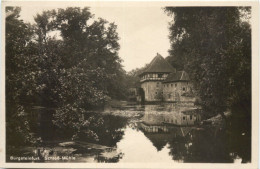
[136,147]
[186,142]
[180,116]
[153,133]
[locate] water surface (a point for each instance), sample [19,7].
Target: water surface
[149,133]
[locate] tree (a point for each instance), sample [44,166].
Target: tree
[133,79]
[70,74]
[84,67]
[20,77]
[214,46]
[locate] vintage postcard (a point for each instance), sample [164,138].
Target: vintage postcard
[137,84]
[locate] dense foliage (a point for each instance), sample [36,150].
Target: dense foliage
[19,54]
[213,44]
[71,73]
[133,79]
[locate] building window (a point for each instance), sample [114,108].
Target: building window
[176,85]
[155,92]
[171,85]
[160,75]
[191,117]
[183,89]
[183,118]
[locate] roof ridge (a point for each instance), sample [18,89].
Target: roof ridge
[177,76]
[160,65]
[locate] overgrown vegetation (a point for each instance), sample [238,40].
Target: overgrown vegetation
[73,72]
[213,44]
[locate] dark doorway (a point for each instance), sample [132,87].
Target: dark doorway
[142,94]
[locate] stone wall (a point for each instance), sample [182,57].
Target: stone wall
[152,90]
[173,91]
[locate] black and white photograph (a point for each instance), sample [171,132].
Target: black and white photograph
[123,82]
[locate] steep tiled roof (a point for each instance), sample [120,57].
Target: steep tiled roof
[178,76]
[159,65]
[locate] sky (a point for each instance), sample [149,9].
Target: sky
[143,31]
